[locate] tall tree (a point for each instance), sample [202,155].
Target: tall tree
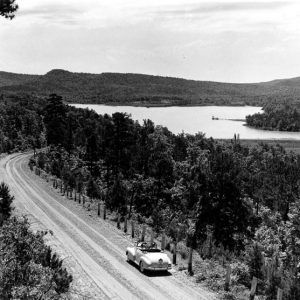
[121,143]
[71,127]
[55,120]
[92,151]
[8,8]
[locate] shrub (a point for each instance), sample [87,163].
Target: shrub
[211,273]
[28,268]
[228,296]
[41,160]
[168,246]
[240,273]
[182,250]
[31,163]
[5,202]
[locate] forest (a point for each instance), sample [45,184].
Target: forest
[242,200]
[227,199]
[276,116]
[147,90]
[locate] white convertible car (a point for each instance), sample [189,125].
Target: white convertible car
[148,257]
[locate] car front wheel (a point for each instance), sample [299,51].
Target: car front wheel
[142,268]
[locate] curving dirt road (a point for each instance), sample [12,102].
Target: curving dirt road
[93,249]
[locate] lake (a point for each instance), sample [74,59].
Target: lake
[198,119]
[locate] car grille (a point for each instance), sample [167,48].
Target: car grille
[158,265]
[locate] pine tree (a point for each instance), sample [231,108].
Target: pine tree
[92,189]
[55,121]
[5,202]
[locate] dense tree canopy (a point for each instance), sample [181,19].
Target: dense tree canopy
[283,117]
[229,195]
[21,124]
[219,185]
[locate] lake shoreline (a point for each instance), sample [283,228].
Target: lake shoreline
[268,129]
[219,122]
[153,105]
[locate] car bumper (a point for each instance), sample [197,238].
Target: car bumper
[150,268]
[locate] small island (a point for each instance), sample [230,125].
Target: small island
[281,117]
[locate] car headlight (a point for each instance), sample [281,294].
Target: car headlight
[148,263]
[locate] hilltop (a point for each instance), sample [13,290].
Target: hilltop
[140,89]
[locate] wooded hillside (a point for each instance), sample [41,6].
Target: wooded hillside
[138,89]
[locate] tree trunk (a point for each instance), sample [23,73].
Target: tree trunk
[104,212]
[175,253]
[152,236]
[163,242]
[125,224]
[175,248]
[253,288]
[279,294]
[227,279]
[143,233]
[98,213]
[132,229]
[118,221]
[130,205]
[190,261]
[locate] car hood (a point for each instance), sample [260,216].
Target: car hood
[156,256]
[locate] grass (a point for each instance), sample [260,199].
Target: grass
[288,145]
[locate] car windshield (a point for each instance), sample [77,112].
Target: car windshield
[152,250]
[148,247]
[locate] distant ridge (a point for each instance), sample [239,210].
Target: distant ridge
[147,90]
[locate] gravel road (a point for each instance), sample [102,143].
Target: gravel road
[93,250]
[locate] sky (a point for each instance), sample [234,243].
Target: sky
[228,41]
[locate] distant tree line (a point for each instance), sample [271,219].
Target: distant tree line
[139,89]
[282,117]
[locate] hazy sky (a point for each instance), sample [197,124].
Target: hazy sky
[229,40]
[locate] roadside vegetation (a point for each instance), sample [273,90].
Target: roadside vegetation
[28,267]
[276,116]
